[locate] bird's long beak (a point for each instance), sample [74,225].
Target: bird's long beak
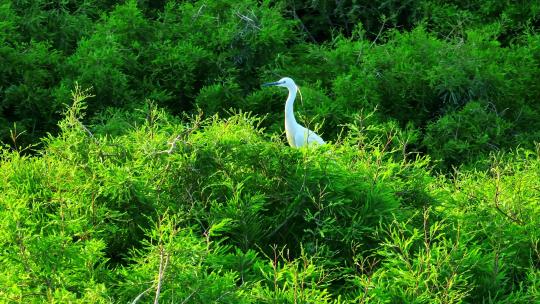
[268,84]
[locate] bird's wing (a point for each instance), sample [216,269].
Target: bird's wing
[305,136]
[312,137]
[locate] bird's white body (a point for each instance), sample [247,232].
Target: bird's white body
[297,135]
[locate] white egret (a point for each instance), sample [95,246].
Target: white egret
[297,135]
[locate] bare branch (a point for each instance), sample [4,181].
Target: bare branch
[248,20]
[141,294]
[86,130]
[189,296]
[183,134]
[496,198]
[379,33]
[304,28]
[163,262]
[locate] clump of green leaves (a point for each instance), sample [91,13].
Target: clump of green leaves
[213,208]
[170,179]
[467,135]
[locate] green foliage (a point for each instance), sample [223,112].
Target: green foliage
[170,179]
[420,265]
[467,135]
[62,23]
[422,82]
[213,56]
[500,209]
[321,19]
[451,18]
[28,72]
[125,55]
[214,209]
[174,262]
[106,59]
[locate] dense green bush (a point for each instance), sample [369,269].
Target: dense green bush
[321,19]
[420,80]
[126,55]
[27,106]
[170,179]
[36,37]
[213,56]
[468,135]
[215,209]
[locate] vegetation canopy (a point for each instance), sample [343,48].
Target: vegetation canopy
[140,159]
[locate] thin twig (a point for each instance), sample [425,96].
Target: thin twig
[304,28]
[189,296]
[178,137]
[86,130]
[497,199]
[198,12]
[141,294]
[162,267]
[373,42]
[173,145]
[378,34]
[248,20]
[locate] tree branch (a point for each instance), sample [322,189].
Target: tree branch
[496,198]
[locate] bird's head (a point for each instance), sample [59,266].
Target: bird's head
[283,82]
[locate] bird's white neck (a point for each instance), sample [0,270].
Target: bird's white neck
[289,113]
[290,121]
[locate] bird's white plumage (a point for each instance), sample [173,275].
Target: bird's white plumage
[297,135]
[304,136]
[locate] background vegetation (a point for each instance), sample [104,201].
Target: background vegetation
[140,160]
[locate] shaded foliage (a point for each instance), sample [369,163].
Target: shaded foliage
[169,178]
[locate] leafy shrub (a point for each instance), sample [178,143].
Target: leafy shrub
[453,17]
[229,41]
[419,266]
[27,105]
[107,60]
[174,182]
[223,178]
[62,24]
[322,19]
[213,208]
[499,210]
[467,135]
[418,79]
[173,262]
